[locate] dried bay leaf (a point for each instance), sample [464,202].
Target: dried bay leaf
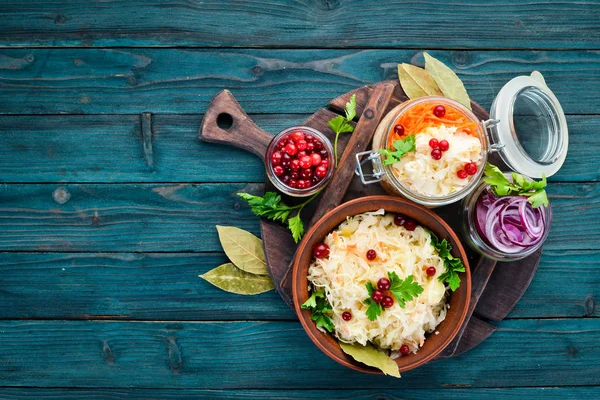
[232,279]
[450,84]
[417,82]
[243,249]
[372,357]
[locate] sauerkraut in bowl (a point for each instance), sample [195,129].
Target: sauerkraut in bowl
[382,279]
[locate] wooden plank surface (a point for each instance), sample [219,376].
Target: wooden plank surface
[272,355]
[181,217]
[283,394]
[175,81]
[358,23]
[165,287]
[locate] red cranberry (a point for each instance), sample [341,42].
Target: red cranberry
[301,184]
[430,271]
[325,162]
[307,183]
[399,220]
[276,158]
[383,284]
[377,296]
[315,179]
[471,168]
[297,136]
[291,149]
[293,183]
[318,145]
[306,173]
[301,154]
[278,170]
[387,302]
[436,154]
[294,174]
[433,143]
[444,145]
[301,144]
[295,165]
[305,162]
[321,250]
[315,159]
[309,138]
[285,179]
[404,350]
[310,146]
[410,225]
[462,174]
[371,255]
[439,111]
[323,154]
[399,130]
[321,171]
[281,144]
[346,315]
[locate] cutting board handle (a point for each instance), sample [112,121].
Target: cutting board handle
[225,122]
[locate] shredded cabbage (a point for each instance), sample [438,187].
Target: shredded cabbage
[344,274]
[424,175]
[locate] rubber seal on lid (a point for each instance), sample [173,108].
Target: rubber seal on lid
[532,129]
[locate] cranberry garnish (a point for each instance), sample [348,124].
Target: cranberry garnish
[371,255]
[383,284]
[346,315]
[399,220]
[291,149]
[439,111]
[321,250]
[301,144]
[321,171]
[410,225]
[471,168]
[444,145]
[305,162]
[430,271]
[436,154]
[462,174]
[278,170]
[387,302]
[297,136]
[399,130]
[377,296]
[404,350]
[315,159]
[310,146]
[306,173]
[293,183]
[433,143]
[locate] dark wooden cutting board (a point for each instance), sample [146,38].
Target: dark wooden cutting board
[496,287]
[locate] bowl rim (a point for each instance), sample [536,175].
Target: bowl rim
[351,363]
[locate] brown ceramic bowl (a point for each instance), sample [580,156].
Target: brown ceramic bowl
[459,300]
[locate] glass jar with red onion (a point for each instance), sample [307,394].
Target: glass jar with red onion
[504,228]
[299,161]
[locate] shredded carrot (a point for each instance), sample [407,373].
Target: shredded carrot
[420,117]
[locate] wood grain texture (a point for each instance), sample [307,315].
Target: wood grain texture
[271,355]
[41,149]
[183,81]
[167,287]
[553,393]
[308,23]
[181,217]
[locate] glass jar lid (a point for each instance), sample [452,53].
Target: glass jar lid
[531,129]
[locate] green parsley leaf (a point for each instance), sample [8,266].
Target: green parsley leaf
[351,108]
[402,147]
[453,265]
[296,227]
[404,290]
[319,307]
[520,186]
[312,300]
[269,206]
[342,124]
[374,309]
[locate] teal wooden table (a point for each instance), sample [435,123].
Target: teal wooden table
[109,201]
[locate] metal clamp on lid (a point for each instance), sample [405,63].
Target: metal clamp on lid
[377,172]
[488,125]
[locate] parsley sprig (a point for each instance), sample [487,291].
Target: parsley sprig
[401,148]
[319,306]
[519,186]
[271,207]
[341,124]
[453,265]
[404,290]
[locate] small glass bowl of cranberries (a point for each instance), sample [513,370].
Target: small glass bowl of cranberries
[299,161]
